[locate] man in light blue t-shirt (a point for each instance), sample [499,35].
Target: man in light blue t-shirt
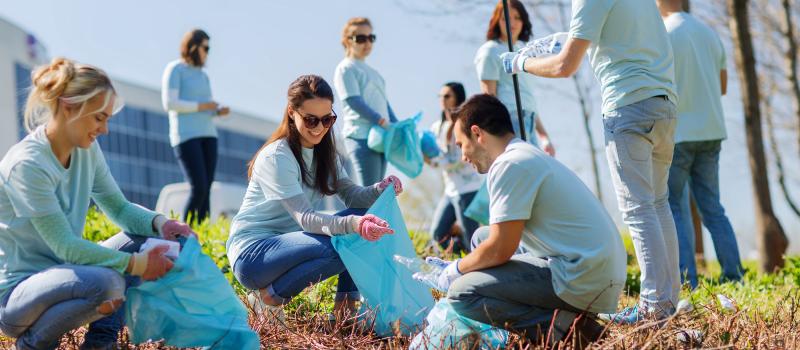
[550,245]
[631,55]
[701,79]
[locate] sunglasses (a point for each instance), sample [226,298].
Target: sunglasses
[362,38]
[206,48]
[311,121]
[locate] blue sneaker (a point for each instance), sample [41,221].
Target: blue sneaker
[628,316]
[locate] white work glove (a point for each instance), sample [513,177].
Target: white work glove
[549,45]
[513,62]
[449,272]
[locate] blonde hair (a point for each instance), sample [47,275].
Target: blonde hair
[65,81]
[349,29]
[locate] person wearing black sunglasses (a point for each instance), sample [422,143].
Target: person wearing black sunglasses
[186,96]
[278,243]
[363,93]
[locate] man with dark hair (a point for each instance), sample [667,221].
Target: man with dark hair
[550,245]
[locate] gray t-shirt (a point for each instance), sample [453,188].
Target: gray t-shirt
[564,223]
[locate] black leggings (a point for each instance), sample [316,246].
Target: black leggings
[198,160]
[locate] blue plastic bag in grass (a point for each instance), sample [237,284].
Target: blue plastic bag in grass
[193,305]
[401,146]
[428,144]
[478,209]
[390,294]
[446,329]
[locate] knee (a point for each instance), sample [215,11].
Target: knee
[110,292]
[480,235]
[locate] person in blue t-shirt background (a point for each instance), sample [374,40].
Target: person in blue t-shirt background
[365,104]
[186,96]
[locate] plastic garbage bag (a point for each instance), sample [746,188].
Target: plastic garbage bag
[375,138]
[478,209]
[192,305]
[428,144]
[446,329]
[390,293]
[401,146]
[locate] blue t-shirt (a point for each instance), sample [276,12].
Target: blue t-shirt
[356,78]
[192,85]
[35,184]
[564,224]
[276,176]
[699,59]
[630,52]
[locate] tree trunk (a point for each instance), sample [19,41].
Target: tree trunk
[772,241]
[791,58]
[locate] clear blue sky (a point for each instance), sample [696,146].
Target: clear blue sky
[259,47]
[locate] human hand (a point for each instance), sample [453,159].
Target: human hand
[371,227]
[513,62]
[548,148]
[391,179]
[172,229]
[449,272]
[151,264]
[223,111]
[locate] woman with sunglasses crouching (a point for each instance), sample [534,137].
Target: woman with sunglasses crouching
[363,93]
[279,244]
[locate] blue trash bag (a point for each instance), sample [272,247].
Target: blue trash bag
[428,144]
[446,329]
[375,138]
[193,305]
[478,209]
[401,146]
[389,292]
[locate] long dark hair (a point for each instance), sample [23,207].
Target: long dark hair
[307,87]
[493,33]
[460,95]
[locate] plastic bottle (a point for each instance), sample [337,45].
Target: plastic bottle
[549,45]
[422,271]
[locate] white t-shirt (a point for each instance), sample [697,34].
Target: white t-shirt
[355,78]
[459,177]
[564,223]
[699,58]
[276,176]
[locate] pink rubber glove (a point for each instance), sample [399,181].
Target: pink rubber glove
[372,227]
[391,179]
[173,229]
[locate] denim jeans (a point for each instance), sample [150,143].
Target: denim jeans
[518,294]
[695,165]
[639,147]
[449,211]
[369,167]
[198,160]
[48,304]
[286,264]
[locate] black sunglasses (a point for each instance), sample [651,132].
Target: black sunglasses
[311,121]
[445,96]
[206,47]
[362,38]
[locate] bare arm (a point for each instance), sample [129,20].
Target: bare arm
[723,81]
[503,241]
[563,65]
[489,87]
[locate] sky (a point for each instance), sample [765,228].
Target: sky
[259,47]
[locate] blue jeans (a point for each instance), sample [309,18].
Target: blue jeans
[48,304]
[695,165]
[198,160]
[369,167]
[284,265]
[639,147]
[449,211]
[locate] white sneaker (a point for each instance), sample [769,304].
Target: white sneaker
[269,313]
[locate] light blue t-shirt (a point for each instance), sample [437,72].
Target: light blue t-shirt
[355,78]
[490,67]
[564,223]
[630,52]
[35,184]
[276,176]
[193,85]
[699,58]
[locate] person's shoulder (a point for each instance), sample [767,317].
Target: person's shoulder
[176,66]
[27,155]
[490,46]
[346,64]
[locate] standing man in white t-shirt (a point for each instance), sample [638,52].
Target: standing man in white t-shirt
[631,55]
[550,245]
[701,79]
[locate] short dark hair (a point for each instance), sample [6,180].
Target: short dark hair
[190,44]
[487,112]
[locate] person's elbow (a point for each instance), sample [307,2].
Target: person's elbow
[564,68]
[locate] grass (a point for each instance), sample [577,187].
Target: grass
[766,313]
